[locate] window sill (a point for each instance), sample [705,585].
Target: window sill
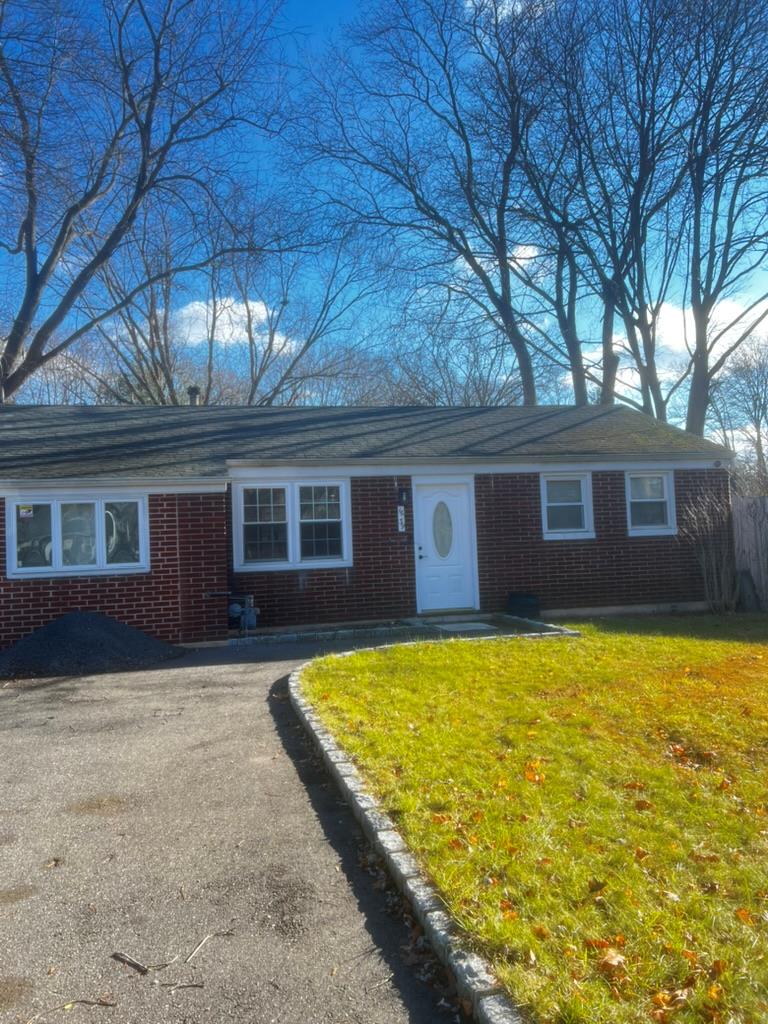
[330,563]
[45,573]
[583,535]
[655,531]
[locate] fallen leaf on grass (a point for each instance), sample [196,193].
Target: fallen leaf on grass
[612,963]
[508,910]
[640,853]
[533,772]
[541,931]
[744,916]
[643,805]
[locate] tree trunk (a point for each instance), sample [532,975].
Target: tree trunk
[699,393]
[610,359]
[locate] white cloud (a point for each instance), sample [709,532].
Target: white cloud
[195,321]
[676,331]
[523,254]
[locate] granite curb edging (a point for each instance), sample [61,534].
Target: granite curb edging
[474,979]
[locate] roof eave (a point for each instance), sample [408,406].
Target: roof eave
[715,459]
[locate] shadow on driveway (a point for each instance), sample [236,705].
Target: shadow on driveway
[387,928]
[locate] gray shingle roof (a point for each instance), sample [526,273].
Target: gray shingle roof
[77,442]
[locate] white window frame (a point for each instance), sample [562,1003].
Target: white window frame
[294,560]
[588,532]
[102,567]
[668,477]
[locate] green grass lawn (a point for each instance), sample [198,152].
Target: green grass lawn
[594,811]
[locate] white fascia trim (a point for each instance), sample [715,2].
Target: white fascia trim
[294,562]
[588,533]
[240,469]
[96,486]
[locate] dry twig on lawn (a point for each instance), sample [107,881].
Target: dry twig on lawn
[203,941]
[70,1004]
[129,961]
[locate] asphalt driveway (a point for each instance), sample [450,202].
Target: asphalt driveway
[141,813]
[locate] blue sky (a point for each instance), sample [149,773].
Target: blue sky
[318,19]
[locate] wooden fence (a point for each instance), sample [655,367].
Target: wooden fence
[750,531]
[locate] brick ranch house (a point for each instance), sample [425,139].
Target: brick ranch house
[333,514]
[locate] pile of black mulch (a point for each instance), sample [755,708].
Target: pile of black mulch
[83,643]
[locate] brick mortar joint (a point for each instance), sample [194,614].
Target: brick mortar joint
[472,974]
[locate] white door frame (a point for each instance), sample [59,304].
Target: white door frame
[435,481]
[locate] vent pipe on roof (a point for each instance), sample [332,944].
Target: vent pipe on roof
[194,395]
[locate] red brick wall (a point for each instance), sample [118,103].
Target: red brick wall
[191,550]
[613,569]
[188,551]
[380,585]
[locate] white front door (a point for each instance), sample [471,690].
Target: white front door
[445,549]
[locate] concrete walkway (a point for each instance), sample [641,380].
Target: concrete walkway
[142,812]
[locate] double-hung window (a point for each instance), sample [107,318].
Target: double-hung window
[566,506]
[650,504]
[265,524]
[292,525]
[77,535]
[320,521]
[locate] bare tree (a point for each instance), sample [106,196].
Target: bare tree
[65,380]
[740,407]
[651,167]
[104,108]
[258,331]
[726,212]
[413,156]
[573,170]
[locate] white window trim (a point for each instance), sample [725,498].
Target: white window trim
[588,533]
[294,560]
[669,496]
[56,500]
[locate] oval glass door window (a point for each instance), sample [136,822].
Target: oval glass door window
[442,529]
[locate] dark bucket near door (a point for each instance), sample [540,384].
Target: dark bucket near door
[524,606]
